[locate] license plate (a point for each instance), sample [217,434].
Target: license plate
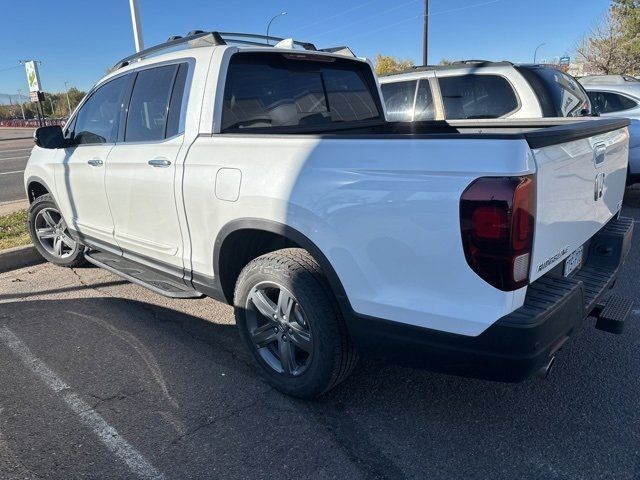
[573,261]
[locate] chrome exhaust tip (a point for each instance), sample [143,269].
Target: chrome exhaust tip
[545,371]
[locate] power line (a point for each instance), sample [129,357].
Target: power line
[10,68]
[414,17]
[466,7]
[363,19]
[344,12]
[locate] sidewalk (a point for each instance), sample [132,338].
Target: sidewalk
[9,207]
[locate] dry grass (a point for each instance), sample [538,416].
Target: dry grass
[13,230]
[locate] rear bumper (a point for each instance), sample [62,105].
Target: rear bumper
[519,344]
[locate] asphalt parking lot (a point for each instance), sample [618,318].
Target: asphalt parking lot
[104,379]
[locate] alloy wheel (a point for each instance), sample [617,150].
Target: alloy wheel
[53,233]
[279,329]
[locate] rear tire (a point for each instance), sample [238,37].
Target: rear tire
[288,318]
[50,234]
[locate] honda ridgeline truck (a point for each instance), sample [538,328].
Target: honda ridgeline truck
[268,177]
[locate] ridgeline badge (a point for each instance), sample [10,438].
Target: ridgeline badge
[551,260]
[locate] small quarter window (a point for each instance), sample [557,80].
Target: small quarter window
[424,103]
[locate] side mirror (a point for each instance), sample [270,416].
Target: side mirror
[49,137]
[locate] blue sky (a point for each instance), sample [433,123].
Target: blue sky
[78,40]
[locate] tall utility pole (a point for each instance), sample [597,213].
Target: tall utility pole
[20,102]
[66,87]
[425,35]
[137,26]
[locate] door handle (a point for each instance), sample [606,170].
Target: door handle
[159,162]
[599,154]
[95,162]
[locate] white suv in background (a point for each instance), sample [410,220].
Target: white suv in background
[476,89]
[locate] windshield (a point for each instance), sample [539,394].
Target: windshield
[560,95]
[275,90]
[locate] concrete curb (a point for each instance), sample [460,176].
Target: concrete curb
[19,257]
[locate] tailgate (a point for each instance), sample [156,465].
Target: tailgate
[581,178]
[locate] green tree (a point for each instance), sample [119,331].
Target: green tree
[387,64]
[59,101]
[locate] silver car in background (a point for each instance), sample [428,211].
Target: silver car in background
[618,96]
[479,89]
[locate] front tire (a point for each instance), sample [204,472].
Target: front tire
[289,320]
[50,234]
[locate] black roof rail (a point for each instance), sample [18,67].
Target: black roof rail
[201,38]
[260,40]
[213,38]
[452,66]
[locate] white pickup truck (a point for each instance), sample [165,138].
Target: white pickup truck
[267,177]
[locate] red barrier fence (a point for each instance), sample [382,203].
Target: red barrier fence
[32,123]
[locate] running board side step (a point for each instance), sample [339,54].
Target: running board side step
[613,314]
[134,272]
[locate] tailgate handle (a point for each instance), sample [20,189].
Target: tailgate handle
[599,154]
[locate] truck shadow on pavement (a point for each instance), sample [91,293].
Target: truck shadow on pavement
[183,387]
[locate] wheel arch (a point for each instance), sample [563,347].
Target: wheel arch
[291,237]
[37,187]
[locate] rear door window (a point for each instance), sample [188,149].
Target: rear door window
[477,96]
[609,102]
[149,104]
[289,91]
[399,98]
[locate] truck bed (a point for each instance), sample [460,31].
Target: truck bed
[537,132]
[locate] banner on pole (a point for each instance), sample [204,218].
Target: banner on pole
[33,77]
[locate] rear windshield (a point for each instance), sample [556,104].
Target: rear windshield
[559,94]
[294,91]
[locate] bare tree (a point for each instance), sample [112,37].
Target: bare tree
[608,48]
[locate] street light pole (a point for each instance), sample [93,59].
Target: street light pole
[271,21]
[66,86]
[20,102]
[535,52]
[137,26]
[425,34]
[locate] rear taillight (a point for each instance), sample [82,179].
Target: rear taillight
[497,217]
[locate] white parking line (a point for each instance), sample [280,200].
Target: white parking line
[21,157]
[26,149]
[106,433]
[11,173]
